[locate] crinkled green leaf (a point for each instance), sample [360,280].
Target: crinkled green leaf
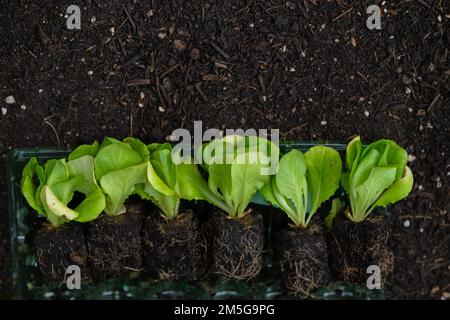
[91,207]
[65,190]
[84,150]
[391,155]
[164,167]
[118,185]
[138,146]
[28,188]
[115,156]
[156,181]
[56,171]
[84,167]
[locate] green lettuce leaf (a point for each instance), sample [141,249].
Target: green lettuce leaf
[304,182]
[376,176]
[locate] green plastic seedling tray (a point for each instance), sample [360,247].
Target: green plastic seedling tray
[28,284]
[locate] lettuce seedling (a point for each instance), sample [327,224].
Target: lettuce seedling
[237,168]
[376,176]
[167,183]
[303,182]
[57,181]
[119,167]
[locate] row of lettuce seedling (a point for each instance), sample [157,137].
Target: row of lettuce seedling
[115,234]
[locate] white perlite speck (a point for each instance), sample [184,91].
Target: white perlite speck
[323,123]
[406,223]
[366,113]
[10,100]
[4,111]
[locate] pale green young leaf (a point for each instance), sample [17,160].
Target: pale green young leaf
[246,180]
[268,193]
[169,205]
[397,191]
[353,153]
[391,154]
[363,196]
[138,146]
[91,207]
[84,167]
[115,156]
[84,150]
[164,167]
[55,171]
[364,168]
[291,179]
[156,181]
[28,187]
[118,185]
[323,174]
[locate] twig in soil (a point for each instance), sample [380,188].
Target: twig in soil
[121,46]
[138,82]
[130,62]
[219,50]
[198,88]
[53,128]
[158,91]
[343,14]
[133,25]
[261,83]
[432,104]
[428,6]
[131,124]
[165,73]
[43,36]
[293,129]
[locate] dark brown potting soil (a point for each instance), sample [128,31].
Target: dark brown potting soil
[236,245]
[57,248]
[353,247]
[303,257]
[114,243]
[315,72]
[174,249]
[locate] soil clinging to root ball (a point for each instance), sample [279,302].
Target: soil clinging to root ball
[353,247]
[303,258]
[237,245]
[174,249]
[115,243]
[59,247]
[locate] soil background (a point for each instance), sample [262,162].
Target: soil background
[310,68]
